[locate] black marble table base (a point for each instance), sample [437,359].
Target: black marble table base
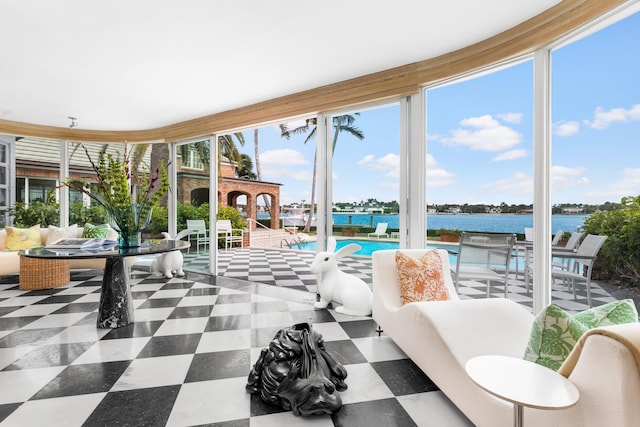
[116,304]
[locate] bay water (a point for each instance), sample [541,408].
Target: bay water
[498,223]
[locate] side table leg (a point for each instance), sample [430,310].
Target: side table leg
[116,304]
[517,415]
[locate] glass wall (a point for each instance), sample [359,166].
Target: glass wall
[479,167]
[596,123]
[366,172]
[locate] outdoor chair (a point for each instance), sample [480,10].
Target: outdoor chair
[381,230]
[484,257]
[200,234]
[580,263]
[230,235]
[557,238]
[571,246]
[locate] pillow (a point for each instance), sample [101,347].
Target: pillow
[553,335]
[96,231]
[56,233]
[613,313]
[22,238]
[554,332]
[421,280]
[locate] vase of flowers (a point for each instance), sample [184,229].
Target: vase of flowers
[128,200]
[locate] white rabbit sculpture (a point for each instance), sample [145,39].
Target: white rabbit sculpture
[169,263]
[351,293]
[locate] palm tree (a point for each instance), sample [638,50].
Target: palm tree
[245,170]
[226,146]
[344,123]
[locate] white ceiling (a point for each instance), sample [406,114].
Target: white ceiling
[129,65]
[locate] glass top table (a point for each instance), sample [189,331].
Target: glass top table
[116,305]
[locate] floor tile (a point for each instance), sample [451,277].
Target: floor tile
[384,412]
[220,364]
[83,379]
[154,372]
[195,406]
[364,384]
[139,407]
[58,412]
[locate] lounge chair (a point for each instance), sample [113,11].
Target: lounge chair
[381,230]
[441,336]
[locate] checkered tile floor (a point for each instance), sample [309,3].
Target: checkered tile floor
[185,360]
[290,269]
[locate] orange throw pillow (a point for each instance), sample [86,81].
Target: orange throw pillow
[421,279]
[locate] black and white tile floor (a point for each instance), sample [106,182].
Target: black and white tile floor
[290,269]
[185,360]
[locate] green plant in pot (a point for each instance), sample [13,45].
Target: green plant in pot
[349,231]
[449,235]
[128,200]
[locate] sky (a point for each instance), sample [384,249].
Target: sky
[479,135]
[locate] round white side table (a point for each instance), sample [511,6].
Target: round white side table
[522,383]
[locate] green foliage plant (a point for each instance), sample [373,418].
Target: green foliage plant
[619,257]
[45,214]
[449,232]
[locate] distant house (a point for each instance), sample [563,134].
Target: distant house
[575,210]
[493,209]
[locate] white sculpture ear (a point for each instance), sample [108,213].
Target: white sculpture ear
[166,235]
[183,233]
[349,249]
[331,244]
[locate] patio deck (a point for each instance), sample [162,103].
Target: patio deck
[290,269]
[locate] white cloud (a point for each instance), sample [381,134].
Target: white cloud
[511,155]
[436,175]
[602,119]
[518,183]
[565,177]
[284,163]
[566,128]
[366,159]
[389,164]
[627,184]
[486,134]
[514,118]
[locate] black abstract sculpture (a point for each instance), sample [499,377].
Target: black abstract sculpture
[296,373]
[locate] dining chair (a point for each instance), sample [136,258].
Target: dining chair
[580,263]
[200,233]
[484,257]
[231,235]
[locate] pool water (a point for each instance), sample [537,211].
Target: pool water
[368,246]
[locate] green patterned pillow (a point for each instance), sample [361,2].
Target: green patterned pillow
[613,313]
[553,335]
[554,332]
[96,231]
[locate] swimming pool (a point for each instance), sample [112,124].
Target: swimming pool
[368,246]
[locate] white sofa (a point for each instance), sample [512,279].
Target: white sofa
[10,260]
[441,336]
